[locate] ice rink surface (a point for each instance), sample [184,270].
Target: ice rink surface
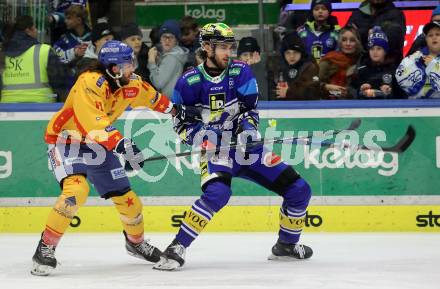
[232,260]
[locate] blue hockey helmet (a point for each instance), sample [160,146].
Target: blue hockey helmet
[115,52]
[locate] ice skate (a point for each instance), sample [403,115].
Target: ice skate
[44,259]
[143,250]
[172,258]
[282,251]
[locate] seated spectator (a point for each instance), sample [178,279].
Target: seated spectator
[166,61]
[418,74]
[73,44]
[249,51]
[300,80]
[420,41]
[32,71]
[101,33]
[385,14]
[189,38]
[337,68]
[320,33]
[375,74]
[132,36]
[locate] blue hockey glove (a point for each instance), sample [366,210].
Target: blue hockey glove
[134,160]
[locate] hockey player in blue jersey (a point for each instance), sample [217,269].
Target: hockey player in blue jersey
[225,92]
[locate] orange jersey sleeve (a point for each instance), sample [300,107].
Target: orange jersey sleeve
[89,112]
[151,98]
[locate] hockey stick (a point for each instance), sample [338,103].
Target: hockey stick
[401,146]
[294,140]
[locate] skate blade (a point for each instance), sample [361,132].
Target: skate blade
[165,264]
[273,257]
[41,270]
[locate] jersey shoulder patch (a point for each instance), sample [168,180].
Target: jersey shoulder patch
[192,76]
[100,81]
[236,67]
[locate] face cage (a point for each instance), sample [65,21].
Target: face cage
[118,76]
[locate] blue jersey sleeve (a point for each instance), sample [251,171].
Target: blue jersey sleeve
[184,94]
[247,87]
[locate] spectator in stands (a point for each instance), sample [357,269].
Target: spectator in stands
[300,73]
[337,67]
[374,76]
[154,35]
[132,36]
[73,44]
[101,33]
[420,41]
[166,60]
[200,56]
[189,39]
[381,13]
[418,74]
[32,71]
[56,17]
[320,33]
[250,52]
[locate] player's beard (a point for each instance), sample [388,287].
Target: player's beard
[124,80]
[222,64]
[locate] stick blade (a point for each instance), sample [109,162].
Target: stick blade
[404,142]
[354,124]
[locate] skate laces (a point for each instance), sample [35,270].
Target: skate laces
[300,250]
[178,249]
[48,251]
[145,247]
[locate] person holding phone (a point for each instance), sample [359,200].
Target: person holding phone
[167,59]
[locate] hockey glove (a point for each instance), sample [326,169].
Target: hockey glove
[247,130]
[134,160]
[186,114]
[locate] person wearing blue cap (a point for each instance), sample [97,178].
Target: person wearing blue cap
[167,59]
[420,41]
[374,77]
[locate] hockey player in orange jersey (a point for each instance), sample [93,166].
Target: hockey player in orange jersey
[83,145]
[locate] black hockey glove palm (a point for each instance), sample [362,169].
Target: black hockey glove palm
[187,114]
[134,160]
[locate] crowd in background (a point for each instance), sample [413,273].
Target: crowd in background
[317,58]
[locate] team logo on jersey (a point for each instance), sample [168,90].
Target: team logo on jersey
[293,73]
[100,81]
[130,92]
[330,42]
[387,78]
[217,102]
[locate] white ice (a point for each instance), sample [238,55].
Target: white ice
[232,260]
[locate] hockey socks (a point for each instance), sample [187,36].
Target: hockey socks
[73,196]
[129,207]
[292,222]
[195,221]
